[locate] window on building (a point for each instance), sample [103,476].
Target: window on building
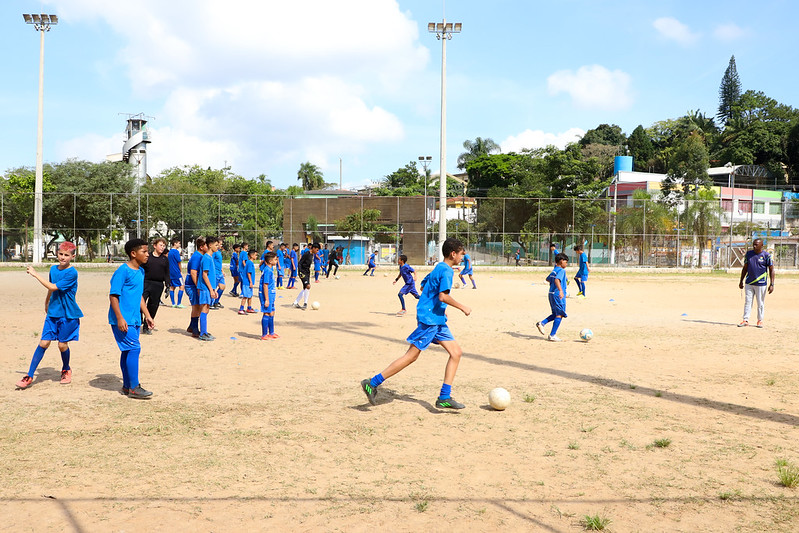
[760,208]
[745,206]
[726,205]
[775,208]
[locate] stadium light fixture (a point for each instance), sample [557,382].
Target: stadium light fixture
[42,24]
[443,31]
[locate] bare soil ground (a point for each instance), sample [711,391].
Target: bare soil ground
[244,434]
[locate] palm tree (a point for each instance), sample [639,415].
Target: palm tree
[702,217]
[641,222]
[311,177]
[475,149]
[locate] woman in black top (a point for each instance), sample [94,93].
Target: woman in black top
[156,276]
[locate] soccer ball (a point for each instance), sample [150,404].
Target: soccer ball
[456,285]
[338,277]
[385,274]
[499,399]
[316,305]
[586,334]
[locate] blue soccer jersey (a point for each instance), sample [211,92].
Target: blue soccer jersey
[220,276]
[582,271]
[317,261]
[467,264]
[128,284]
[406,271]
[560,274]
[206,265]
[194,264]
[293,260]
[262,264]
[372,260]
[234,264]
[757,267]
[174,263]
[430,310]
[62,301]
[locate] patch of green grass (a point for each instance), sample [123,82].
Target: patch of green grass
[658,394]
[633,386]
[788,475]
[779,462]
[594,522]
[770,381]
[549,453]
[588,429]
[730,495]
[421,506]
[529,398]
[574,445]
[662,443]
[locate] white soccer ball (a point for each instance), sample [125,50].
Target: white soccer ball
[586,334]
[385,274]
[499,399]
[316,305]
[338,277]
[456,285]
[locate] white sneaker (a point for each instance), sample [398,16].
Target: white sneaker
[553,338]
[540,328]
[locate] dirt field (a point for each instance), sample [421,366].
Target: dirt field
[243,434]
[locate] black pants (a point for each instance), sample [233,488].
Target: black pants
[152,297]
[332,265]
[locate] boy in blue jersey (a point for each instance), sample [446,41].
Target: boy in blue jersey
[270,247]
[280,266]
[557,298]
[234,269]
[408,274]
[193,277]
[243,256]
[125,315]
[757,273]
[582,270]
[267,293]
[431,327]
[62,320]
[175,273]
[247,273]
[467,271]
[325,258]
[293,265]
[219,282]
[317,265]
[371,264]
[206,286]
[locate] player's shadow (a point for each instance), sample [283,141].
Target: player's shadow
[383,313]
[248,335]
[709,322]
[178,331]
[109,382]
[525,337]
[385,396]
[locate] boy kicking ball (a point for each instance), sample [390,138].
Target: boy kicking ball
[431,328]
[557,298]
[62,322]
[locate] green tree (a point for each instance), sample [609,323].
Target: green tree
[640,148]
[18,191]
[405,181]
[311,177]
[640,223]
[364,222]
[729,93]
[687,169]
[476,148]
[702,217]
[610,135]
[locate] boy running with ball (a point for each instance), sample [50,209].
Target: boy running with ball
[431,327]
[408,274]
[557,298]
[62,322]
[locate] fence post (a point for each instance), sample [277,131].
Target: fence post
[182,221]
[74,223]
[503,230]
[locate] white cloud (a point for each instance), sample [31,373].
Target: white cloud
[674,30]
[593,86]
[729,32]
[530,139]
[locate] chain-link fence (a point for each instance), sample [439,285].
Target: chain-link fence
[644,233]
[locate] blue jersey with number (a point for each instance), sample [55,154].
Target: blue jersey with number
[62,301]
[430,310]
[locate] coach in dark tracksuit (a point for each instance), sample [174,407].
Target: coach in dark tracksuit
[156,278]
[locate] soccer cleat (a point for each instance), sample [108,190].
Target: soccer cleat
[124,391]
[242,312]
[304,307]
[295,305]
[219,305]
[147,331]
[139,393]
[250,310]
[207,337]
[233,293]
[553,338]
[449,403]
[179,306]
[743,324]
[760,324]
[66,377]
[24,382]
[371,392]
[401,312]
[274,336]
[266,337]
[540,328]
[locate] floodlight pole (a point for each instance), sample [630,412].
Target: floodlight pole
[425,160]
[443,31]
[42,24]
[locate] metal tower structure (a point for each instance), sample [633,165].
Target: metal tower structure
[134,150]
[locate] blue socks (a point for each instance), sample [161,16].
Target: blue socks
[446,391]
[547,320]
[271,325]
[264,325]
[65,360]
[203,323]
[172,297]
[555,325]
[129,363]
[402,301]
[38,354]
[180,296]
[377,380]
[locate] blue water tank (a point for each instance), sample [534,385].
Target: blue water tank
[622,163]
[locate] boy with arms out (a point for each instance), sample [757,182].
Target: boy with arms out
[757,273]
[125,315]
[582,271]
[267,293]
[62,320]
[408,274]
[332,263]
[468,271]
[305,276]
[175,273]
[557,298]
[431,327]
[248,282]
[234,269]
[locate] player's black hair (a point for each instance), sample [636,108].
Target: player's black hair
[245,243]
[552,245]
[235,246]
[578,247]
[268,256]
[295,245]
[316,245]
[175,240]
[199,243]
[451,245]
[211,239]
[404,258]
[253,251]
[133,245]
[561,257]
[267,244]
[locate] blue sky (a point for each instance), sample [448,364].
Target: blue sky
[264,85]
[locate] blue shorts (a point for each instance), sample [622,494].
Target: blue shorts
[279,272]
[271,307]
[246,291]
[60,329]
[467,272]
[557,305]
[424,334]
[293,273]
[234,272]
[176,282]
[409,288]
[191,294]
[220,280]
[582,276]
[203,297]
[129,340]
